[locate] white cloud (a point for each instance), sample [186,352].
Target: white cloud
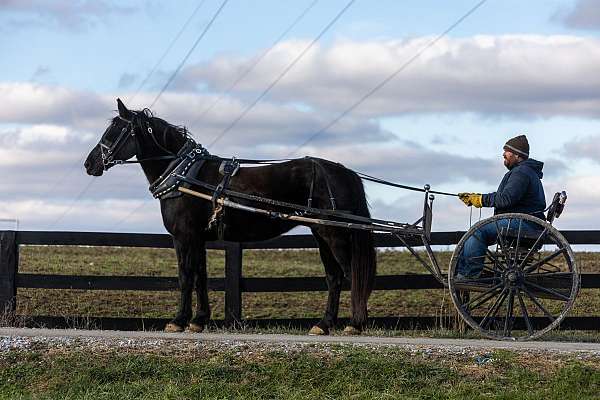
[491,75]
[38,214]
[494,76]
[45,104]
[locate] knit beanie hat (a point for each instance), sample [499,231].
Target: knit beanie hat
[518,145]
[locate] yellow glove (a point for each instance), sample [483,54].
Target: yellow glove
[471,199]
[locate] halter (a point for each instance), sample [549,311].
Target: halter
[108,151]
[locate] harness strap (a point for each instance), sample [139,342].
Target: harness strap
[229,169]
[304,210]
[312,185]
[189,155]
[329,191]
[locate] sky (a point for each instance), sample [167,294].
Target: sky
[509,68]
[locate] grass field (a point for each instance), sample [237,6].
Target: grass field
[279,372]
[190,370]
[74,260]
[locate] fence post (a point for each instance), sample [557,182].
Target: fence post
[9,262]
[233,280]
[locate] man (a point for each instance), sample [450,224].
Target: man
[520,191]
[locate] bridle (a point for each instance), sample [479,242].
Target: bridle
[128,132]
[108,151]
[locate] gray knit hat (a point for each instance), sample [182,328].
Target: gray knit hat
[518,145]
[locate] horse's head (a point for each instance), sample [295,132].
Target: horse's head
[117,144]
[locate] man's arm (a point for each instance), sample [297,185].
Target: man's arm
[511,194]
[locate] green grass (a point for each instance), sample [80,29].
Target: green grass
[336,372]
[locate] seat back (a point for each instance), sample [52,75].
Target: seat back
[557,206]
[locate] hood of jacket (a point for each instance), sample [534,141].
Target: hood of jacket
[532,164]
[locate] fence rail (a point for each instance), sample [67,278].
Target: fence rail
[233,284]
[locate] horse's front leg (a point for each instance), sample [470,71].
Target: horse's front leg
[187,259]
[202,316]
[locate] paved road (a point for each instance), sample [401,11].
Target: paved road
[268,338]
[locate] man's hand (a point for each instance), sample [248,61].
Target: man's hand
[471,199]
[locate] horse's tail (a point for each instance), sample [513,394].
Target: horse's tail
[364,265]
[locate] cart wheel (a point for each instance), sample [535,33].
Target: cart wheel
[525,283]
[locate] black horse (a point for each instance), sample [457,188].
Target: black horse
[346,254]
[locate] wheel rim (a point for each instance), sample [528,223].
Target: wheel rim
[524,289]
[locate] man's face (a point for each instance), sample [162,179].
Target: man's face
[510,159]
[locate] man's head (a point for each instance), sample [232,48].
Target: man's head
[515,151]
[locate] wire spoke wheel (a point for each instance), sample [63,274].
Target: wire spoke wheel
[513,277]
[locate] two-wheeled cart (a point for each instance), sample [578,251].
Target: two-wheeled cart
[528,279]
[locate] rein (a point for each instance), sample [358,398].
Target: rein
[128,132]
[388,183]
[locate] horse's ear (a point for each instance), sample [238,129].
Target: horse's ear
[123,111]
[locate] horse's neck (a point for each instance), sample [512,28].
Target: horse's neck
[173,142]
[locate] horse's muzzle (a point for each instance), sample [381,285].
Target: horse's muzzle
[93,163]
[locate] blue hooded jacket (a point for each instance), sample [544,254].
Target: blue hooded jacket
[520,191]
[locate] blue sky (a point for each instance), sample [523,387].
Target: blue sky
[94,57]
[512,67]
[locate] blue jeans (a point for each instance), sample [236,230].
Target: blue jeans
[470,262]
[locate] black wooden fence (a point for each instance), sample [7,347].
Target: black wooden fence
[233,284]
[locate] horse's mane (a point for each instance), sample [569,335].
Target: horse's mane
[147,114]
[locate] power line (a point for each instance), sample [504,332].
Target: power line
[131,213]
[161,59]
[79,196]
[256,61]
[174,74]
[142,204]
[86,188]
[181,64]
[285,71]
[389,78]
[64,176]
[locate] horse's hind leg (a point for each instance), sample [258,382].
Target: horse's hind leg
[202,316]
[334,275]
[355,256]
[187,259]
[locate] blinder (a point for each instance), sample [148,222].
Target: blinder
[109,150]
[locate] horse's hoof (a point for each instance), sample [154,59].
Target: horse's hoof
[352,331]
[172,328]
[195,328]
[316,331]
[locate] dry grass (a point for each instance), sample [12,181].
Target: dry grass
[76,260]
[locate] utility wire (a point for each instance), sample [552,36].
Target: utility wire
[131,213]
[142,204]
[161,59]
[285,71]
[174,74]
[63,177]
[79,196]
[255,62]
[70,170]
[169,81]
[389,78]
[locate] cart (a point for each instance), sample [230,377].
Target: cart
[528,281]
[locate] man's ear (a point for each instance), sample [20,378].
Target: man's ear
[123,111]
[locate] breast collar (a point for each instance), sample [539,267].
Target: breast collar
[191,156]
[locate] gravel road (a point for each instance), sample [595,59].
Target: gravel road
[11,338]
